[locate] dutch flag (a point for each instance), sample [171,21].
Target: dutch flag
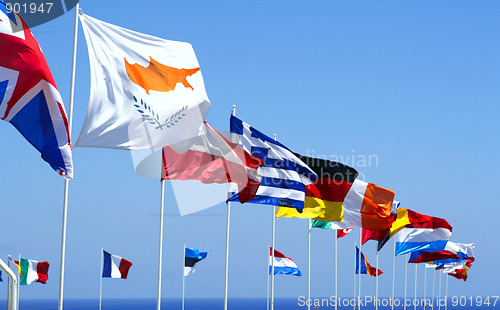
[282,264]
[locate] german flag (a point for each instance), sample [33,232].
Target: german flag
[324,197]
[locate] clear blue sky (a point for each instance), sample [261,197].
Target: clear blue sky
[412,84]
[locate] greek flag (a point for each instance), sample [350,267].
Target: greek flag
[284,175]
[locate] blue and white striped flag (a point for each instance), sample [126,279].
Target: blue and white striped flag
[284,175]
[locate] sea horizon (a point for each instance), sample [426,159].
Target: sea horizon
[246,303]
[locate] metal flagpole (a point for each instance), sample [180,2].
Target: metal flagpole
[228,218]
[376,284]
[393,273]
[183,276]
[414,304]
[309,224]
[160,247]
[439,294]
[272,252]
[66,181]
[359,269]
[267,265]
[228,204]
[18,282]
[272,256]
[8,286]
[100,280]
[433,285]
[406,278]
[336,265]
[12,292]
[355,268]
[425,285]
[446,294]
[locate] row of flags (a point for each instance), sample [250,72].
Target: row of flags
[133,75]
[424,238]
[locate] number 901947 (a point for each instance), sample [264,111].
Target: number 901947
[29,8]
[470,301]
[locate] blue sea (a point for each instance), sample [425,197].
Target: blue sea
[241,304]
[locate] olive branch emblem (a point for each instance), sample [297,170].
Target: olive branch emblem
[153,117]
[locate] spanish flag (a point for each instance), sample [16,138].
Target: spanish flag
[324,198]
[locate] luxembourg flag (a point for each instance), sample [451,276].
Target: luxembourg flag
[282,264]
[430,236]
[114,266]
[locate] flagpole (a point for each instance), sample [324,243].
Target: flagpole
[425,285]
[66,181]
[100,277]
[376,283]
[406,278]
[12,284]
[446,294]
[272,252]
[355,268]
[439,294]
[309,224]
[393,273]
[8,286]
[336,265]
[160,245]
[267,269]
[414,305]
[183,276]
[18,282]
[433,285]
[228,217]
[272,257]
[359,268]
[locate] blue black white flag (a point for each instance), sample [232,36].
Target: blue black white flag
[192,256]
[284,175]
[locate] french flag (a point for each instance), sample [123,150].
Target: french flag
[282,264]
[115,266]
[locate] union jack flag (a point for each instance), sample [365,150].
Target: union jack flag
[29,98]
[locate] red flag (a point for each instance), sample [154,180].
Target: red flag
[211,158]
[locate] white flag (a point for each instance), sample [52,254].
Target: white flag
[145,91]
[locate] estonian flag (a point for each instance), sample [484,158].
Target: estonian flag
[192,256]
[115,266]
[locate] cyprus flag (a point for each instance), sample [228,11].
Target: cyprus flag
[145,92]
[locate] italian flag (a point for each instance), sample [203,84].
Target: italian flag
[30,271]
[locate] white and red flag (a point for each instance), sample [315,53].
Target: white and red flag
[211,158]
